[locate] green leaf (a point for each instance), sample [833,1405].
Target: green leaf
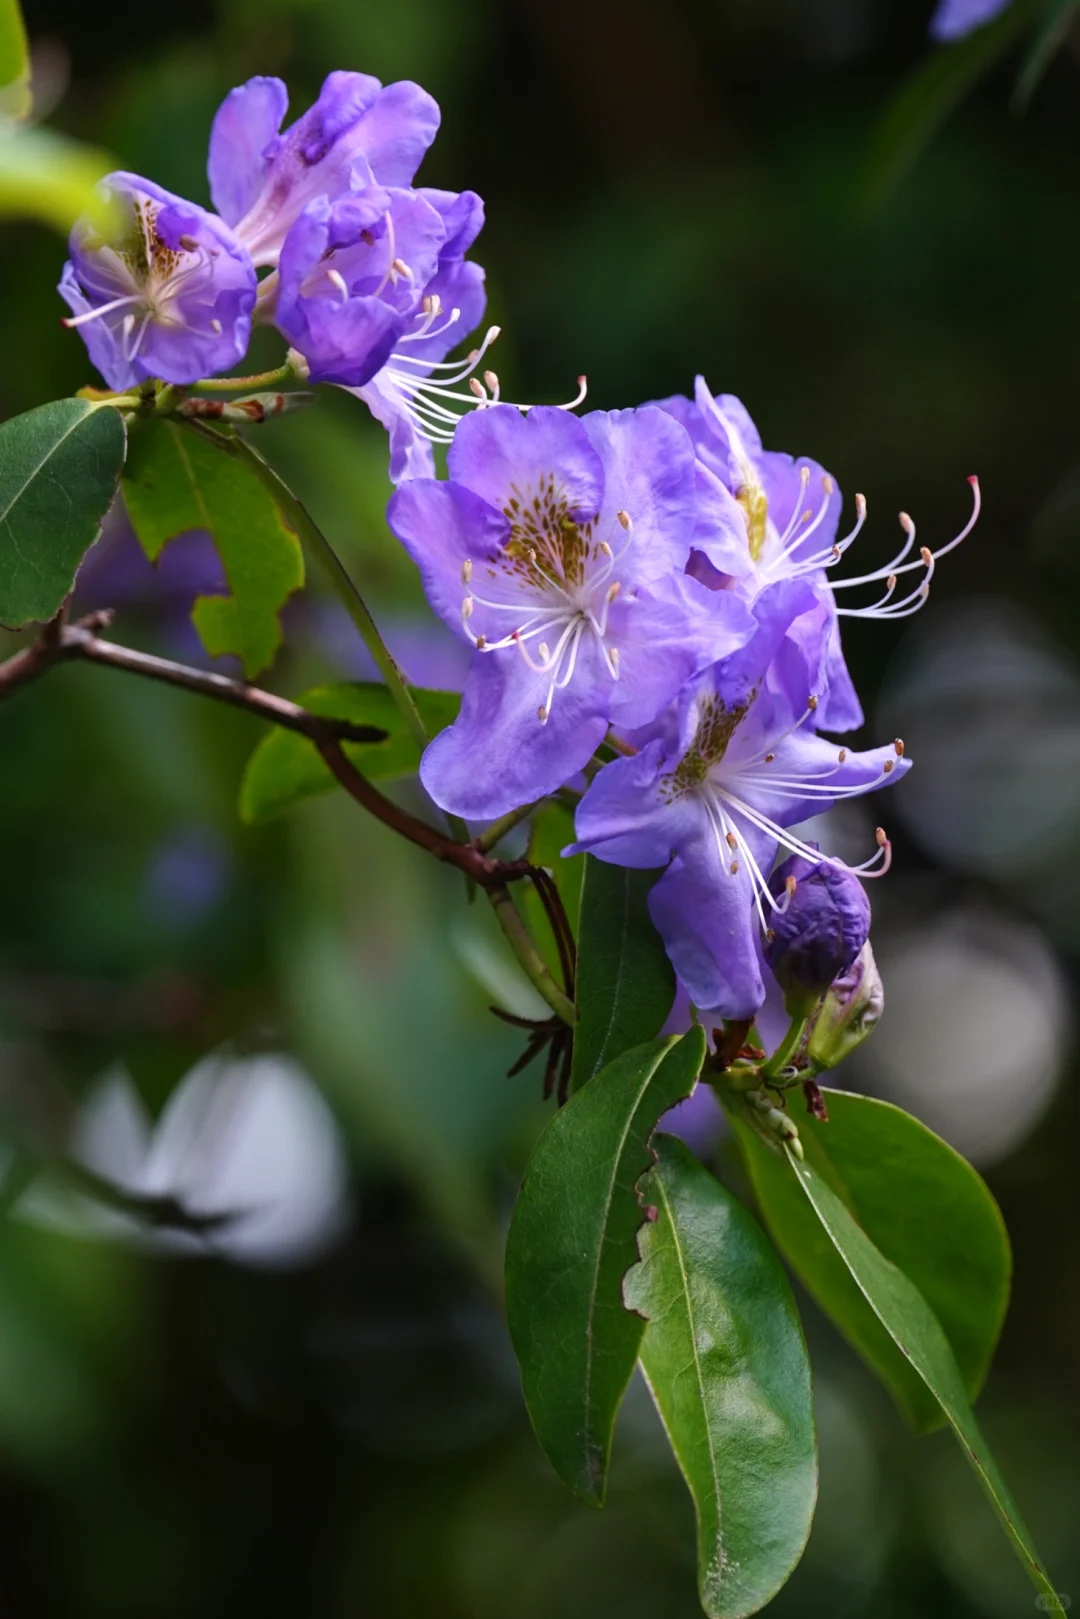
[570,1244]
[59,467]
[14,62]
[46,177]
[1048,39]
[915,1329]
[950,1242]
[286,768]
[625,983]
[725,1359]
[176,480]
[934,91]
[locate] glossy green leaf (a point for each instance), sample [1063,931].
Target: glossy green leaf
[934,91]
[950,1239]
[725,1359]
[913,1326]
[177,480]
[14,62]
[286,768]
[625,983]
[47,177]
[571,1243]
[59,467]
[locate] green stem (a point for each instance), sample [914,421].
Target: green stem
[506,823]
[787,1048]
[510,920]
[261,379]
[299,519]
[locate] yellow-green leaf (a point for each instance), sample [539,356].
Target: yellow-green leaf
[177,480]
[52,179]
[14,62]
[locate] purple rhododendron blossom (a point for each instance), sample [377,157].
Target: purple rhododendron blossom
[171,298]
[817,935]
[557,548]
[714,791]
[771,517]
[415,395]
[955,18]
[352,273]
[262,180]
[373,292]
[768,516]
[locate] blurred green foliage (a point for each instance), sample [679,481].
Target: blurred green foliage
[672,186]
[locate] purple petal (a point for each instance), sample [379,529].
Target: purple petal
[706,917]
[354,125]
[497,755]
[501,454]
[242,143]
[666,633]
[627,819]
[648,462]
[442,526]
[955,18]
[463,214]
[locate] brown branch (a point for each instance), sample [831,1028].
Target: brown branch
[60,642]
[67,643]
[485,872]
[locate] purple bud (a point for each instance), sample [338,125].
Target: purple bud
[824,924]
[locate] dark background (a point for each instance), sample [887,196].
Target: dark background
[323,1419]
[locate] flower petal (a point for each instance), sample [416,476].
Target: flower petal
[497,755]
[243,139]
[498,451]
[442,526]
[706,917]
[648,462]
[626,818]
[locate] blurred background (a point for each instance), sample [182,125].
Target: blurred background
[314,1410]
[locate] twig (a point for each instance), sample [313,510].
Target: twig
[67,643]
[60,642]
[509,919]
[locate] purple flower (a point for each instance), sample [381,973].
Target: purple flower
[714,792]
[352,274]
[364,287]
[172,298]
[416,395]
[262,180]
[955,18]
[767,516]
[819,927]
[558,548]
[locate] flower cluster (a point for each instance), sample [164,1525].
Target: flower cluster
[652,586]
[650,597]
[364,275]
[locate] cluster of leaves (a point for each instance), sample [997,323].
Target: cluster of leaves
[702,1301]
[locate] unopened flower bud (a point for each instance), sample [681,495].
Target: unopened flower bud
[817,934]
[849,1012]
